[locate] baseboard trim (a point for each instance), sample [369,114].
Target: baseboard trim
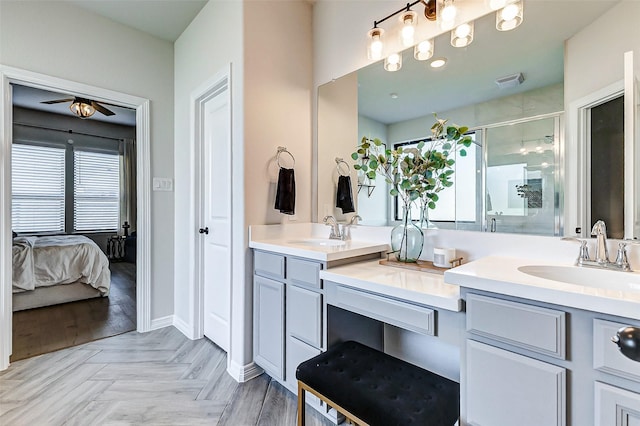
[161,322]
[184,328]
[244,373]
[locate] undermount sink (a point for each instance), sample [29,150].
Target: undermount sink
[590,277]
[321,242]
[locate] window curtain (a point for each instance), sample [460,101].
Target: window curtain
[128,195]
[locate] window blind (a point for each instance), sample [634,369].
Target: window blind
[37,189]
[96,191]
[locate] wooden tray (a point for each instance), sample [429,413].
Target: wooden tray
[420,265]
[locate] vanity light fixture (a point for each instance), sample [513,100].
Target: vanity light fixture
[462,35]
[423,50]
[82,109]
[510,16]
[393,62]
[445,12]
[409,20]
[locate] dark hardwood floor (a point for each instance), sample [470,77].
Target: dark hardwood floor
[42,330]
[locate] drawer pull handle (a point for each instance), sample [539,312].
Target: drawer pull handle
[628,341]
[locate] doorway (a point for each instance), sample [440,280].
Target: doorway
[12,76]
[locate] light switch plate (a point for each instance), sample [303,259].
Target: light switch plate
[162,184]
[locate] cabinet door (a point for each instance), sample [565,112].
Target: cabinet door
[297,352]
[506,389]
[304,315]
[616,407]
[268,325]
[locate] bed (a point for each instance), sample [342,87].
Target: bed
[57,269]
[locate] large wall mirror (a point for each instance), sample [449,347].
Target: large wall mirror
[514,178]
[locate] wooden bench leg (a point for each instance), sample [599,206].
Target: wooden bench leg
[301,405]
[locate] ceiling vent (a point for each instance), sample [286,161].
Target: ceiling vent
[510,81]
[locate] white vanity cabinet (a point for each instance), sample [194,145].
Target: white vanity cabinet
[288,313]
[503,387]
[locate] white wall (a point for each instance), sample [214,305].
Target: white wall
[268,45]
[594,56]
[38,36]
[211,43]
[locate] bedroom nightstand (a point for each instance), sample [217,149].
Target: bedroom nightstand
[115,248]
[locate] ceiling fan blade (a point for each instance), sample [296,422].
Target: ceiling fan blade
[57,101]
[102,109]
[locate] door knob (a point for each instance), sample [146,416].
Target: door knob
[204,230]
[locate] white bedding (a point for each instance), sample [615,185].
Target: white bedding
[52,260]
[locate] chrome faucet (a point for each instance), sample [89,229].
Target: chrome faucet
[601,259]
[355,219]
[335,228]
[599,230]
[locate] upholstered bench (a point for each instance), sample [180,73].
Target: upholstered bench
[370,387]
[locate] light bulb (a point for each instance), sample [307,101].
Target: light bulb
[374,50]
[447,14]
[463,30]
[509,17]
[408,20]
[393,62]
[423,50]
[462,35]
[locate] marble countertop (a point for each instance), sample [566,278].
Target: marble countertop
[296,247]
[609,292]
[415,286]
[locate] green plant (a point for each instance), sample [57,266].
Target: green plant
[415,173]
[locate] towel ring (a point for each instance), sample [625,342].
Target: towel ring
[339,162]
[282,149]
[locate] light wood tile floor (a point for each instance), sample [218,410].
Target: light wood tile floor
[156,378]
[41,330]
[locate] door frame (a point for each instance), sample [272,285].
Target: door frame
[218,85]
[9,75]
[577,172]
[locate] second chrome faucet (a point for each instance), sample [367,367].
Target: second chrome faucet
[601,259]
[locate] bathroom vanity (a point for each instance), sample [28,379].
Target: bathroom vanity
[529,342]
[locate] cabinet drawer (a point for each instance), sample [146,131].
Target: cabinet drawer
[304,272]
[298,352]
[268,265]
[537,329]
[404,315]
[304,315]
[606,355]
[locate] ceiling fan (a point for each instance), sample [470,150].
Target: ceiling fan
[82,107]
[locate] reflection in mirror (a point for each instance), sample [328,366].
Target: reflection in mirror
[521,174]
[398,107]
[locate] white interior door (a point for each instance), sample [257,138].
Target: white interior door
[631,150]
[216,216]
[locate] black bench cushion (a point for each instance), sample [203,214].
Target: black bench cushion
[381,389]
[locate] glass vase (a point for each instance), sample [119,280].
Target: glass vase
[407,239]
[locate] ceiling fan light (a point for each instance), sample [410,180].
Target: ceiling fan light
[510,16]
[423,50]
[81,109]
